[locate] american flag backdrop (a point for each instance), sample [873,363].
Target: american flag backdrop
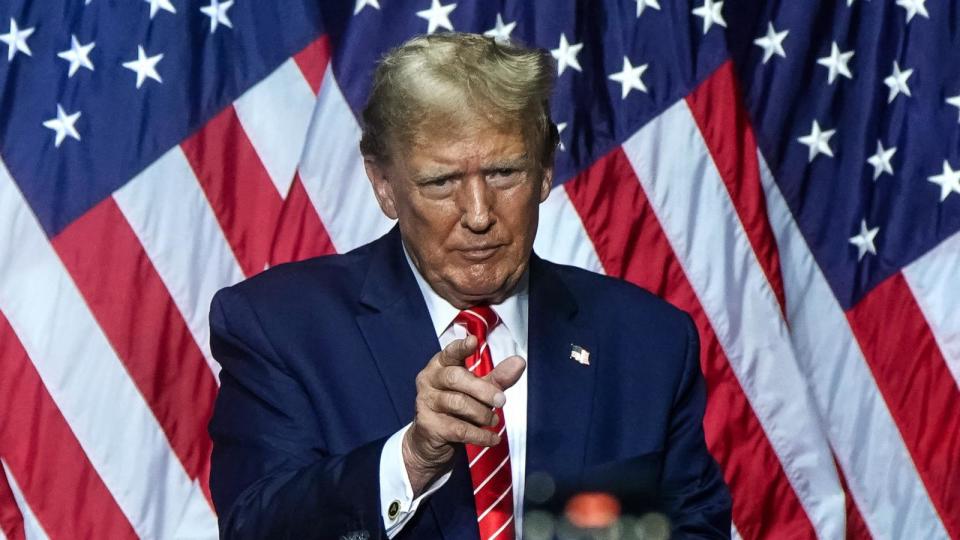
[786,171]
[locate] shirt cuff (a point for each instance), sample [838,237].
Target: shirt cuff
[397,504]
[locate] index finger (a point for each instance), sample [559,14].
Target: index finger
[457,350]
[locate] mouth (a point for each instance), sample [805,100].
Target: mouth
[479,253]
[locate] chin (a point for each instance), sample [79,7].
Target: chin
[471,289]
[483,290]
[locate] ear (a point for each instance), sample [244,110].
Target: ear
[546,183]
[382,188]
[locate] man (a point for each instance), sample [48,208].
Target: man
[417,386]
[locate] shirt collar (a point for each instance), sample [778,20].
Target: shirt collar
[512,311]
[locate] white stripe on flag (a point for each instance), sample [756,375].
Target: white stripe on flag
[332,172]
[194,524]
[31,525]
[880,474]
[275,114]
[561,237]
[934,279]
[104,409]
[694,208]
[174,222]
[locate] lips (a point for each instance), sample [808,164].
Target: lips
[479,253]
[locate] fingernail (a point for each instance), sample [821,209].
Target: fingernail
[495,421]
[499,399]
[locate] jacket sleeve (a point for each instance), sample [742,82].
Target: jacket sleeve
[696,497]
[271,474]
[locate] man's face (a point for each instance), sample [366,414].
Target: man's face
[467,207]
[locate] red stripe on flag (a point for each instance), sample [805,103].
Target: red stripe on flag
[300,233]
[856,526]
[313,60]
[631,244]
[62,489]
[718,109]
[236,183]
[142,323]
[11,520]
[917,386]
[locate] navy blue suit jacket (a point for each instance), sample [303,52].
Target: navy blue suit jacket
[319,360]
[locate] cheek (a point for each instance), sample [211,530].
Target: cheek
[426,213]
[431,224]
[519,211]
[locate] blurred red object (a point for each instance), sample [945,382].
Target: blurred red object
[592,510]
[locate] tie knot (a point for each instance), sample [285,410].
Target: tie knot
[479,320]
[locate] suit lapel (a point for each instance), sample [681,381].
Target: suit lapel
[401,338]
[397,328]
[560,390]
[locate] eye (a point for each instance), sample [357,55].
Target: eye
[505,177]
[437,181]
[437,188]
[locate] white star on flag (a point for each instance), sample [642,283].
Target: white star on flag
[560,127]
[566,55]
[438,16]
[217,11]
[16,40]
[837,63]
[897,81]
[948,180]
[364,3]
[711,12]
[643,4]
[629,78]
[864,240]
[818,141]
[63,125]
[913,7]
[881,160]
[955,101]
[501,32]
[157,5]
[772,43]
[78,55]
[144,66]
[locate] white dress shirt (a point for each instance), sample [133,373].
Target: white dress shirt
[507,339]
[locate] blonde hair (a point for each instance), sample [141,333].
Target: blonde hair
[446,81]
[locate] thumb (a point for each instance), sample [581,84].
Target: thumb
[507,372]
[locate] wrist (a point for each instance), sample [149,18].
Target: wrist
[422,472]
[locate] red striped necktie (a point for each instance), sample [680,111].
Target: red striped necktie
[489,466]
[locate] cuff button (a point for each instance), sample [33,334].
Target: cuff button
[393,510]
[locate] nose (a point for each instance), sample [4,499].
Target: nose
[476,204]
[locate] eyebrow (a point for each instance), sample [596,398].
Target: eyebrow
[520,162]
[515,163]
[436,177]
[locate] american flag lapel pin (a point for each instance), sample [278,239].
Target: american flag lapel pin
[580,355]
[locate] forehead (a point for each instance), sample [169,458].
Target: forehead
[463,146]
